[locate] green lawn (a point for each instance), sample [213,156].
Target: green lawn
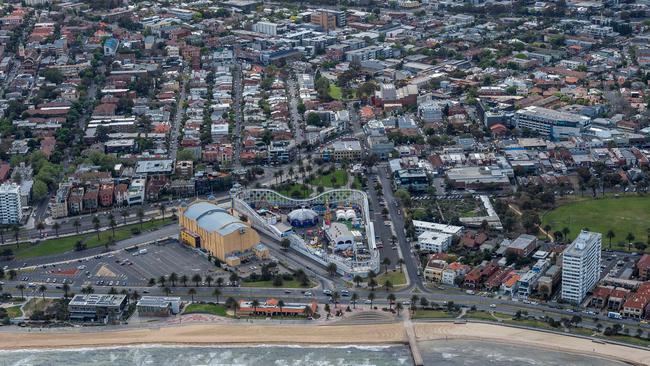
[340,179]
[428,314]
[14,311]
[268,284]
[336,92]
[37,304]
[482,315]
[396,277]
[65,244]
[213,309]
[356,183]
[629,339]
[294,190]
[621,215]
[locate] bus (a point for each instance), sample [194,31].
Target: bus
[614,315]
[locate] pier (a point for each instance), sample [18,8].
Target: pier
[413,343]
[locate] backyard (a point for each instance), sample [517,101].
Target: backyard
[621,215]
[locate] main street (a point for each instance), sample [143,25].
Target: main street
[178,118]
[237,91]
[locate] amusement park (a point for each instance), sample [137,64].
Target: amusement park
[332,227]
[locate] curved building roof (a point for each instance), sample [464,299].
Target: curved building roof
[212,218]
[302,214]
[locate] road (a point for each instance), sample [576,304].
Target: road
[178,119]
[296,119]
[237,91]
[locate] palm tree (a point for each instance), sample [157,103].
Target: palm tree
[234,277]
[610,235]
[16,230]
[167,290]
[191,292]
[565,233]
[56,226]
[184,280]
[281,305]
[2,234]
[219,281]
[65,289]
[42,289]
[308,312]
[414,301]
[135,296]
[196,279]
[112,291]
[88,290]
[354,299]
[335,298]
[162,280]
[398,307]
[125,214]
[76,224]
[386,263]
[255,304]
[173,277]
[112,223]
[391,299]
[372,284]
[357,279]
[388,285]
[208,280]
[152,282]
[216,293]
[371,297]
[400,262]
[40,227]
[140,216]
[21,288]
[96,225]
[163,208]
[630,239]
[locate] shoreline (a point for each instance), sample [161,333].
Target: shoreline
[378,335]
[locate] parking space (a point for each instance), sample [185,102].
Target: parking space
[131,268]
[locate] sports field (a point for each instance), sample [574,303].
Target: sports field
[621,215]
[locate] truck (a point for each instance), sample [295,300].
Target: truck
[614,315]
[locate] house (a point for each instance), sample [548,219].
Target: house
[634,306]
[434,269]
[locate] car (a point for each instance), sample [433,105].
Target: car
[308,294]
[54,280]
[368,301]
[287,291]
[146,291]
[327,292]
[493,306]
[406,303]
[48,280]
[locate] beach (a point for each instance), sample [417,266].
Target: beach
[246,334]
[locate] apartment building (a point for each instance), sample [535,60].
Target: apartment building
[581,266]
[11,209]
[550,123]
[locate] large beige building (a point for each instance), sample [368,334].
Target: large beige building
[205,225]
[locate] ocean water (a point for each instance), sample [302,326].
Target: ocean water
[213,356]
[469,353]
[435,353]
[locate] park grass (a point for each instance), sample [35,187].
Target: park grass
[14,311]
[395,277]
[628,339]
[214,309]
[269,284]
[325,180]
[335,92]
[295,190]
[66,244]
[531,323]
[482,315]
[623,215]
[356,183]
[433,314]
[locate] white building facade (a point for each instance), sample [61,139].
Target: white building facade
[581,266]
[11,208]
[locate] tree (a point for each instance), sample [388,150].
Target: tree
[140,216]
[216,293]
[255,304]
[386,262]
[162,210]
[308,311]
[354,300]
[331,268]
[76,224]
[371,297]
[391,299]
[16,230]
[56,226]
[388,285]
[21,288]
[96,225]
[630,239]
[112,224]
[610,236]
[40,227]
[196,279]
[12,274]
[372,284]
[357,280]
[42,289]
[565,233]
[88,290]
[208,280]
[167,290]
[184,280]
[125,215]
[191,292]
[39,190]
[173,277]
[162,280]
[152,282]
[398,307]
[219,281]
[234,277]
[424,302]
[335,297]
[401,262]
[327,309]
[231,303]
[414,301]
[281,305]
[66,289]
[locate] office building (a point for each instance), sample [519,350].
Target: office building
[96,308]
[581,266]
[550,123]
[268,28]
[158,306]
[11,209]
[435,242]
[415,180]
[205,225]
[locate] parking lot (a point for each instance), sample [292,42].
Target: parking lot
[126,268]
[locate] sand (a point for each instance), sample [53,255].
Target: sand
[206,334]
